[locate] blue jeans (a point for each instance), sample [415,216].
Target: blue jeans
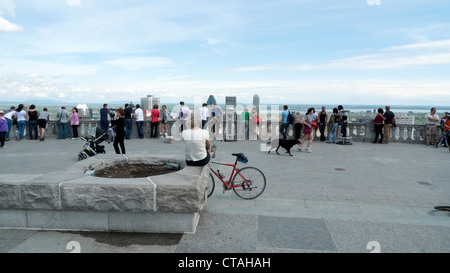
[139,128]
[283,129]
[21,126]
[32,127]
[63,126]
[333,132]
[128,123]
[9,127]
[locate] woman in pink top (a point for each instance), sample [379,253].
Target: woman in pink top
[379,126]
[155,122]
[75,122]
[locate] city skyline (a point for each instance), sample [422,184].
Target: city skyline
[288,52]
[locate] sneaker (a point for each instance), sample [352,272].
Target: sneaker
[299,149]
[308,150]
[3,147]
[213,150]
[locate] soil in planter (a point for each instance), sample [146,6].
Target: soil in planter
[133,171]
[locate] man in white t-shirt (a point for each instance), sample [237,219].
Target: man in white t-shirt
[197,143]
[183,115]
[430,120]
[139,114]
[204,112]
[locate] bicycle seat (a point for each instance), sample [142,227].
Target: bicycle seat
[239,155]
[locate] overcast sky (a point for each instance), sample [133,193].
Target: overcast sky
[287,51]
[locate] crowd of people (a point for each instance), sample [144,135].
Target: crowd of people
[330,125]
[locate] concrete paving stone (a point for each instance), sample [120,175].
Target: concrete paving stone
[221,233]
[294,233]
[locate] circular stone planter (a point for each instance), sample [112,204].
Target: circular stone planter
[73,200]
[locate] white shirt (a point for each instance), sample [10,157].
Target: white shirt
[185,111]
[195,144]
[10,115]
[204,113]
[429,122]
[20,115]
[139,114]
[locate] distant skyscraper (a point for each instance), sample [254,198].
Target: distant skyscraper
[211,100]
[148,102]
[256,102]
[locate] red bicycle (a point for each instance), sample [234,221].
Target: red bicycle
[248,183]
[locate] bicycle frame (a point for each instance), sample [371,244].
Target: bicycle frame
[235,170]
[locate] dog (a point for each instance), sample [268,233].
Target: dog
[287,144]
[168,139]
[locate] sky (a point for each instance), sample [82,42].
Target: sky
[286,51]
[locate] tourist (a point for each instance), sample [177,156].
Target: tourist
[43,118]
[9,118]
[119,126]
[298,125]
[3,129]
[343,119]
[139,114]
[307,131]
[445,126]
[32,122]
[388,123]
[104,113]
[183,115]
[333,125]
[322,120]
[204,112]
[431,129]
[216,114]
[245,118]
[63,120]
[74,122]
[21,116]
[155,121]
[379,126]
[164,121]
[128,120]
[197,143]
[284,122]
[253,125]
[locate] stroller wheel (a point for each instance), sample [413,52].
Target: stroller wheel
[82,156]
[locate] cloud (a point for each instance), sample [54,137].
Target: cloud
[7,26]
[428,53]
[74,2]
[8,6]
[135,63]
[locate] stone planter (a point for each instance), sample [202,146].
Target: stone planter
[73,200]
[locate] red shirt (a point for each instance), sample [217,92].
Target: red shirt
[378,119]
[155,115]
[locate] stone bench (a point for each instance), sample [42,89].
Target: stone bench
[73,200]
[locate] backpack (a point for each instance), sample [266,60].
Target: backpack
[290,117]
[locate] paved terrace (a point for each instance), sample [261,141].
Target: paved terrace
[336,199]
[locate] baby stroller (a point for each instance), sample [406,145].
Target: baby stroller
[92,146]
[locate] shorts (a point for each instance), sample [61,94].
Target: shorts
[431,129]
[202,162]
[42,123]
[307,130]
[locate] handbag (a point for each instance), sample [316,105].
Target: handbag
[393,123]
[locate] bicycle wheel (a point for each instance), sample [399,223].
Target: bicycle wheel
[252,186]
[211,186]
[440,140]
